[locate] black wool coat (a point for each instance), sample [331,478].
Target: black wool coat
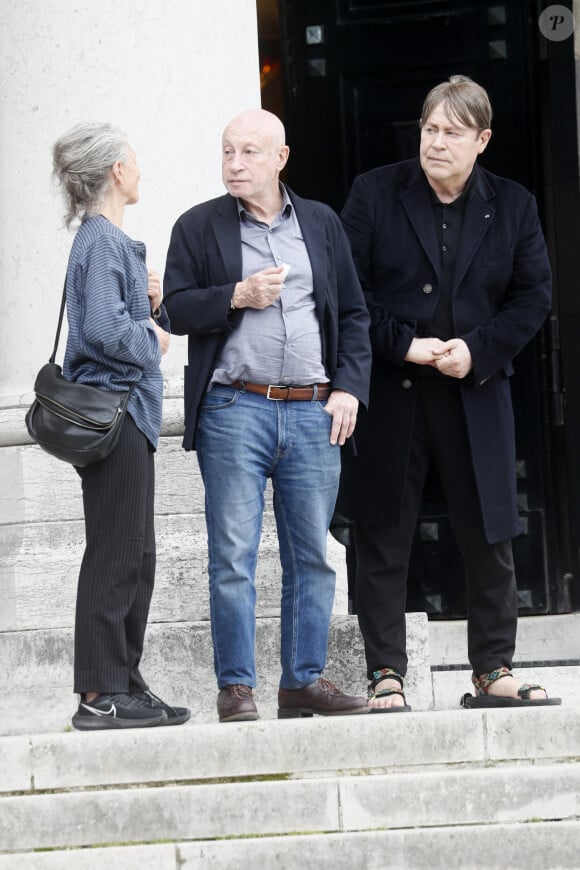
[204,263]
[501,295]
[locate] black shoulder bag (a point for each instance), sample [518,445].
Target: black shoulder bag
[75,422]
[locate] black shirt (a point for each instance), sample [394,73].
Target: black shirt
[448,219]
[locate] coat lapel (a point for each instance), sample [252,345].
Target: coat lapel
[417,204]
[315,241]
[226,226]
[479,216]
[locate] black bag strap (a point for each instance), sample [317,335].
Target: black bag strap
[60,317]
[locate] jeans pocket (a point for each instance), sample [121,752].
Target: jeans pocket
[218,398]
[322,407]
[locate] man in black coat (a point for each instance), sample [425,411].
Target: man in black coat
[264,285]
[454,267]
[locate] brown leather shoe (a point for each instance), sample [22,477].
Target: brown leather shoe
[321,697]
[236,704]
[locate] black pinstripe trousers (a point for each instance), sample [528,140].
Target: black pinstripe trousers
[118,567]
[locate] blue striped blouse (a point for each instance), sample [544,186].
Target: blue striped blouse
[111,342]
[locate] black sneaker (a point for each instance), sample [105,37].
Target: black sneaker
[175,715]
[118,710]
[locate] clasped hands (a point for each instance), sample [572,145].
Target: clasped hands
[451,358]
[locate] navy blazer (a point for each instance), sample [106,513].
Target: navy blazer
[501,295]
[204,263]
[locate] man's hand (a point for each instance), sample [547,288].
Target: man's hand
[425,351]
[343,407]
[153,289]
[456,360]
[259,290]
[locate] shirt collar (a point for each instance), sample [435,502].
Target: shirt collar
[461,199]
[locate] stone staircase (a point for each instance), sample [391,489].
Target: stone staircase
[446,788]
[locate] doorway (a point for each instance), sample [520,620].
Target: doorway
[348,78]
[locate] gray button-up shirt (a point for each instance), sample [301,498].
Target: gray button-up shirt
[279,344]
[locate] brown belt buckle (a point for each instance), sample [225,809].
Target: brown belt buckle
[277,387]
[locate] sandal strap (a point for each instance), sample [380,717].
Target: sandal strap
[484,681]
[525,689]
[385,693]
[385,674]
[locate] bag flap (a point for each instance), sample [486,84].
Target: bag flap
[91,403]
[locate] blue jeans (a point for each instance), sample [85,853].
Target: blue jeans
[242,440]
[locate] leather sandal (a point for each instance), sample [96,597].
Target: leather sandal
[483,699]
[379,676]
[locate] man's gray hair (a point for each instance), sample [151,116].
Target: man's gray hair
[463,100]
[82,160]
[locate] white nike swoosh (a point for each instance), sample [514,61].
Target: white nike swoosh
[111,712]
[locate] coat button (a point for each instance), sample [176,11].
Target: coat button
[406,384]
[427,288]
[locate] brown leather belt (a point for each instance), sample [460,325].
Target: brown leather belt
[280,393]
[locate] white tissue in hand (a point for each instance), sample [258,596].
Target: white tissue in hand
[286,268]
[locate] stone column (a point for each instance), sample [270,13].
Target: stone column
[171,73]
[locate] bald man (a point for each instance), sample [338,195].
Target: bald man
[263,284]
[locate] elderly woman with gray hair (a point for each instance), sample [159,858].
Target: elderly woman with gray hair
[118,332]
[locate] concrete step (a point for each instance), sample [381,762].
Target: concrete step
[506,794]
[40,489]
[559,681]
[178,662]
[391,743]
[542,639]
[42,542]
[407,773]
[39,567]
[547,652]
[529,846]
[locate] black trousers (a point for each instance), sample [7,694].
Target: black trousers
[118,568]
[382,553]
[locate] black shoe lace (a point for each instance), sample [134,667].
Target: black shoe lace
[155,701]
[124,699]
